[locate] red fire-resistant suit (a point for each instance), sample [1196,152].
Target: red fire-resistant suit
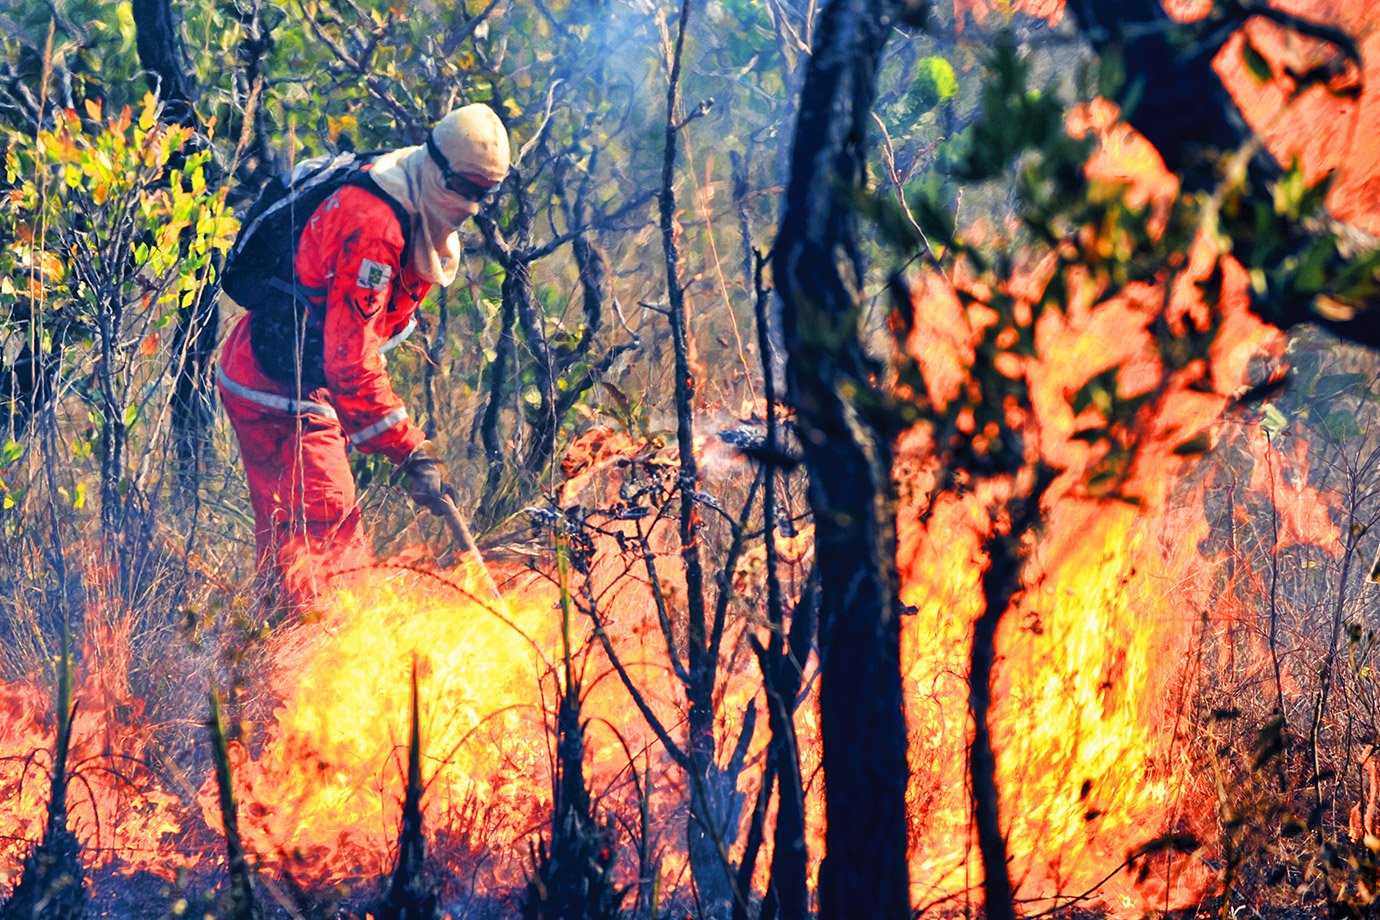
[293,439]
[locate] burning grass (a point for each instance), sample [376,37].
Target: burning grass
[320,780]
[1109,662]
[1107,659]
[319,746]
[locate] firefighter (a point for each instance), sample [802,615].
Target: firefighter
[301,393]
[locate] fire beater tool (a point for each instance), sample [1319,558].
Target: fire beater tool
[464,540]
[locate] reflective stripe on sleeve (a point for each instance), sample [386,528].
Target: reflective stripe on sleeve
[401,337]
[273,400]
[379,427]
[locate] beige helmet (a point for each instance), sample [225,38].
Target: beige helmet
[470,146]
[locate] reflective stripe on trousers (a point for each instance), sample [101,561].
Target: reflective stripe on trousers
[273,400]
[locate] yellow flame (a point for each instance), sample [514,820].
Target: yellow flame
[321,789]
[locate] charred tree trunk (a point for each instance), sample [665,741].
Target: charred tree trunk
[236,901]
[999,584]
[498,372]
[410,895]
[847,448]
[573,878]
[254,160]
[755,836]
[159,43]
[158,40]
[1006,556]
[507,248]
[782,660]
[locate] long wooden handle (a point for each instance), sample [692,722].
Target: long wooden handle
[458,528]
[460,531]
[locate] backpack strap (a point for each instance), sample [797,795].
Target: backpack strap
[298,292]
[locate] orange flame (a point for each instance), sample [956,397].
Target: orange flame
[1097,657]
[123,817]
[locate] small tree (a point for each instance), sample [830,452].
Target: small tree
[112,244]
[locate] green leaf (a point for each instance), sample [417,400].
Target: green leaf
[1256,65]
[935,83]
[1274,421]
[1195,446]
[1311,274]
[10,452]
[1342,425]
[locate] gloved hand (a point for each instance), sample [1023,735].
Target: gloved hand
[424,482]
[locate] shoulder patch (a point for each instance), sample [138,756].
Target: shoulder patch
[374,276]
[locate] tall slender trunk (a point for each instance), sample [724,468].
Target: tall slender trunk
[788,891]
[999,584]
[506,247]
[848,454]
[1006,558]
[159,44]
[710,795]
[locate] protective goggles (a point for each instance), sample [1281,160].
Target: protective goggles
[461,185]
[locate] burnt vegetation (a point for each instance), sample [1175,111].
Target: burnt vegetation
[894,493]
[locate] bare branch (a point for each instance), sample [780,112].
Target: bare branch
[545,120]
[673,749]
[469,28]
[662,612]
[699,111]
